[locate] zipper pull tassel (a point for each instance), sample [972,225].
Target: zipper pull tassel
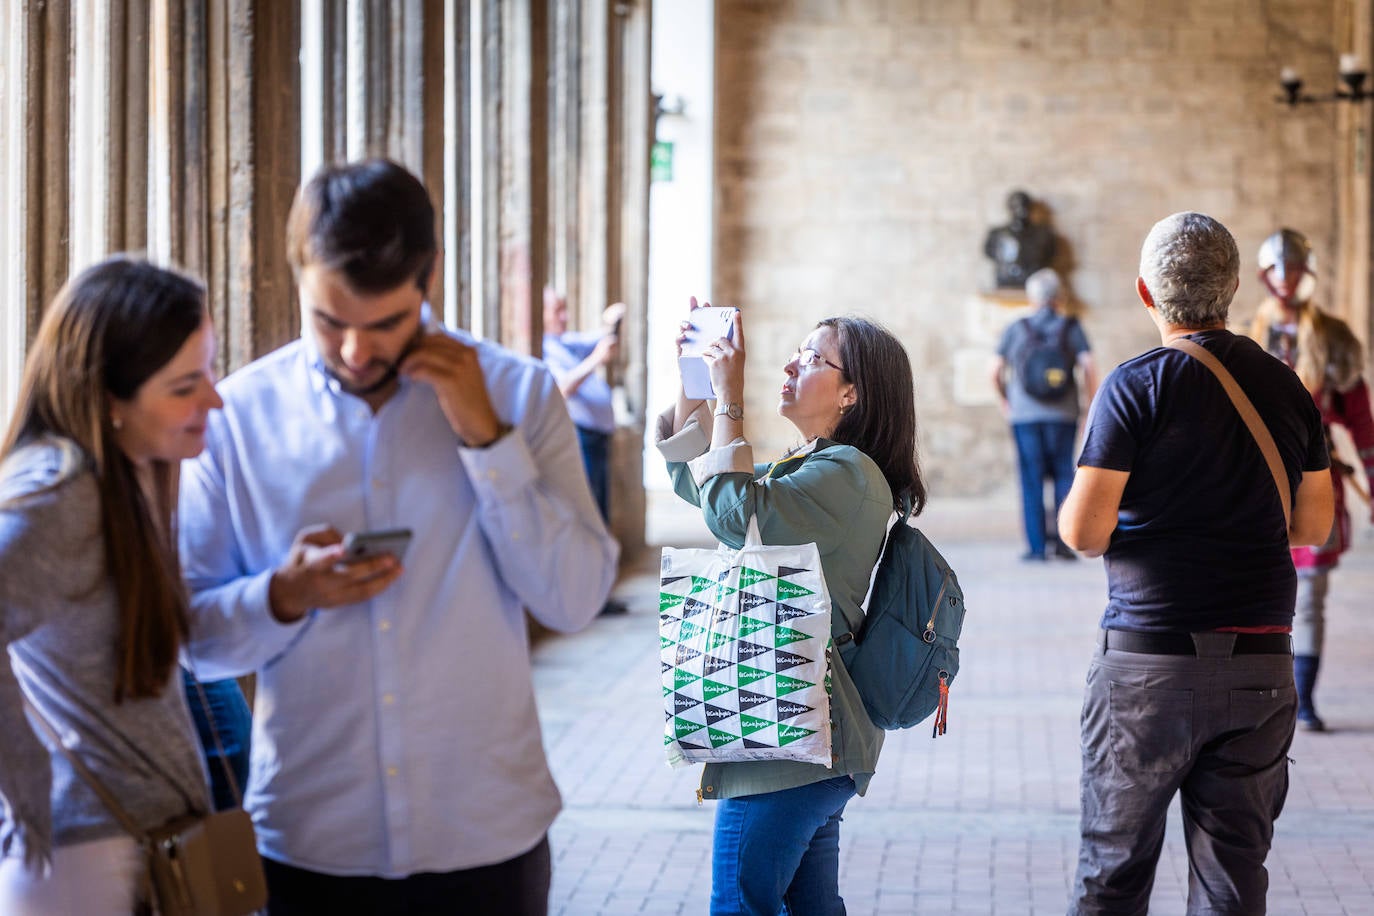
[942,708]
[699,798]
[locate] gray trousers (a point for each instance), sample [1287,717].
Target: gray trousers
[1215,729]
[1309,613]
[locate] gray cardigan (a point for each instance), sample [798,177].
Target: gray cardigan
[59,619]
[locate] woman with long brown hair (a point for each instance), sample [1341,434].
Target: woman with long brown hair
[115,393]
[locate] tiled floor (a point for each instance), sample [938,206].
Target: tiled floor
[982,820]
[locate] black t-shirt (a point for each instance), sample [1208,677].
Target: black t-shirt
[1200,541]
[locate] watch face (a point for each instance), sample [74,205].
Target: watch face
[735,411]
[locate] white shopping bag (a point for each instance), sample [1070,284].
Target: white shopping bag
[745,640]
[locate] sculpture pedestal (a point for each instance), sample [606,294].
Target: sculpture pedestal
[1007,298]
[986,315]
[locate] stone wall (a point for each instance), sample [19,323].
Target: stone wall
[864,148]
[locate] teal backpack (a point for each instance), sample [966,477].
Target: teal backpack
[904,655]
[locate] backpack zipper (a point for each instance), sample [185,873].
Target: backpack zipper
[929,634]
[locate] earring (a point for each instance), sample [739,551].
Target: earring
[116,423]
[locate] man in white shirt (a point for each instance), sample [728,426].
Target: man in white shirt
[397,761]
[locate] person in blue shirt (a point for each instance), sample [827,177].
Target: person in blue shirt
[397,764]
[577,359]
[1044,427]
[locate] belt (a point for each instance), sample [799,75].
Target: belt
[1184,644]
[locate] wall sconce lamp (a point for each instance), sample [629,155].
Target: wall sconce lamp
[1353,75]
[669,105]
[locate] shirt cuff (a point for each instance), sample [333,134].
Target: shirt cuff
[243,635]
[502,470]
[693,440]
[735,458]
[279,634]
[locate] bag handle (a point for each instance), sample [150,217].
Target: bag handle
[752,538]
[98,787]
[214,733]
[104,794]
[1247,412]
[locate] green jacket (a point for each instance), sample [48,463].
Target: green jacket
[830,494]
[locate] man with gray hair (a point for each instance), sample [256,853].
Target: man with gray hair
[1190,690]
[1034,377]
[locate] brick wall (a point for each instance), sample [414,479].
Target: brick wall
[865,148]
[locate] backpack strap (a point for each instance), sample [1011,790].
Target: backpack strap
[1064,326]
[898,518]
[1247,412]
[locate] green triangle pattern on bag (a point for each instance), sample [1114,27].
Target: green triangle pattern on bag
[721,650]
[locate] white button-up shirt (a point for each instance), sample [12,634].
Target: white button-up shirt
[397,735]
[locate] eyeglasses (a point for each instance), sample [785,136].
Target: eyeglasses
[808,357]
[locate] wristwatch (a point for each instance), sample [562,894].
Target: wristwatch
[733,411]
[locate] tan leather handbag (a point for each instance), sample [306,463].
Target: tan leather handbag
[197,864]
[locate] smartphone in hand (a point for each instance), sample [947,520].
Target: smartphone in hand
[361,545]
[709,324]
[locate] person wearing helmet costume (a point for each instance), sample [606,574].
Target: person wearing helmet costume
[1328,359]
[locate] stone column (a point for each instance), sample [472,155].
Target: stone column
[37,255]
[523,137]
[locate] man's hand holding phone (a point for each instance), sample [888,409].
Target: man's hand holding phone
[318,573]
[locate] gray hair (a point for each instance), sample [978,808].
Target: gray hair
[1190,265]
[1042,287]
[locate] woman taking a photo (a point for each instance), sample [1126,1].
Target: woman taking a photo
[848,391]
[115,393]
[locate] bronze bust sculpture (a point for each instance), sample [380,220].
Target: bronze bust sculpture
[1021,247]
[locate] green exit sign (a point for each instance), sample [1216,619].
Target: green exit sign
[661,161]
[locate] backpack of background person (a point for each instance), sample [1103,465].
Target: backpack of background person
[905,654]
[1044,365]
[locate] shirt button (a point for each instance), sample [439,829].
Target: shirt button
[377,483]
[515,536]
[384,625]
[392,771]
[388,699]
[491,475]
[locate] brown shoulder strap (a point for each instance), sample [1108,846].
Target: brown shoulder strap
[1247,412]
[98,787]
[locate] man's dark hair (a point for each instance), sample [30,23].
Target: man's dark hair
[371,221]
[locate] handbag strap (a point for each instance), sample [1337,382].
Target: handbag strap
[1247,412]
[214,733]
[105,795]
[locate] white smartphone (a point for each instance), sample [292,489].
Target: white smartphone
[360,545]
[709,324]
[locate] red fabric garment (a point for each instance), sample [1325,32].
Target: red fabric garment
[1350,409]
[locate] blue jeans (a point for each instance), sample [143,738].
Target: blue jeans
[234,724]
[780,848]
[1043,450]
[596,458]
